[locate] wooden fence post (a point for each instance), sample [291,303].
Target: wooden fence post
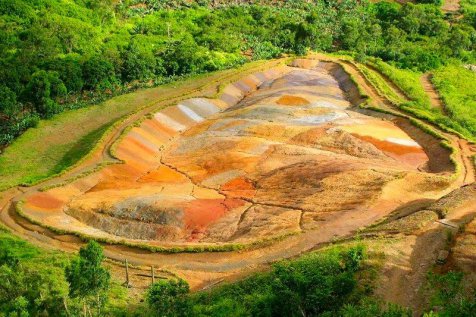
[127,283]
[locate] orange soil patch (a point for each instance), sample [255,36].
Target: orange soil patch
[378,129]
[159,129]
[409,154]
[231,124]
[44,201]
[250,82]
[145,148]
[240,183]
[150,136]
[239,187]
[287,100]
[178,116]
[199,128]
[163,174]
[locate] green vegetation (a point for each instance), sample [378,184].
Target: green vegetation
[451,293]
[457,87]
[169,298]
[315,284]
[333,282]
[88,280]
[34,283]
[407,80]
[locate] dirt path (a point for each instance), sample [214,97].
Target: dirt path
[212,265]
[412,256]
[467,151]
[430,90]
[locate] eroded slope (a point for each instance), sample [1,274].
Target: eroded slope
[286,158]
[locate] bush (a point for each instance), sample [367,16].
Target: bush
[169,298]
[43,90]
[99,74]
[317,283]
[8,102]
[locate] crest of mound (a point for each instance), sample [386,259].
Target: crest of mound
[279,153]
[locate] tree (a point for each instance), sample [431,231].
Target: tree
[42,91]
[32,289]
[69,70]
[8,102]
[88,279]
[169,298]
[98,73]
[138,64]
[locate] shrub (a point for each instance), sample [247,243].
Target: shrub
[169,298]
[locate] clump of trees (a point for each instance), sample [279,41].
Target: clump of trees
[44,288]
[316,284]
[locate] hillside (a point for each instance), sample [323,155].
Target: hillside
[237,158]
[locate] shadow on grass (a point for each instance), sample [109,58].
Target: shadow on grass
[80,149]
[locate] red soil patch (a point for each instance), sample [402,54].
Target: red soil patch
[202,212]
[44,201]
[287,100]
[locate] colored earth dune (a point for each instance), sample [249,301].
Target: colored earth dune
[279,152]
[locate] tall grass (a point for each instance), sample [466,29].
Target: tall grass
[457,87]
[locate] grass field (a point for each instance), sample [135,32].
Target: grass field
[457,87]
[58,143]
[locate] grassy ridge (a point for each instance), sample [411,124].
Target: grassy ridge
[420,106]
[407,80]
[457,87]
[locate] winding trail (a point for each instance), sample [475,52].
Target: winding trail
[430,90]
[213,265]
